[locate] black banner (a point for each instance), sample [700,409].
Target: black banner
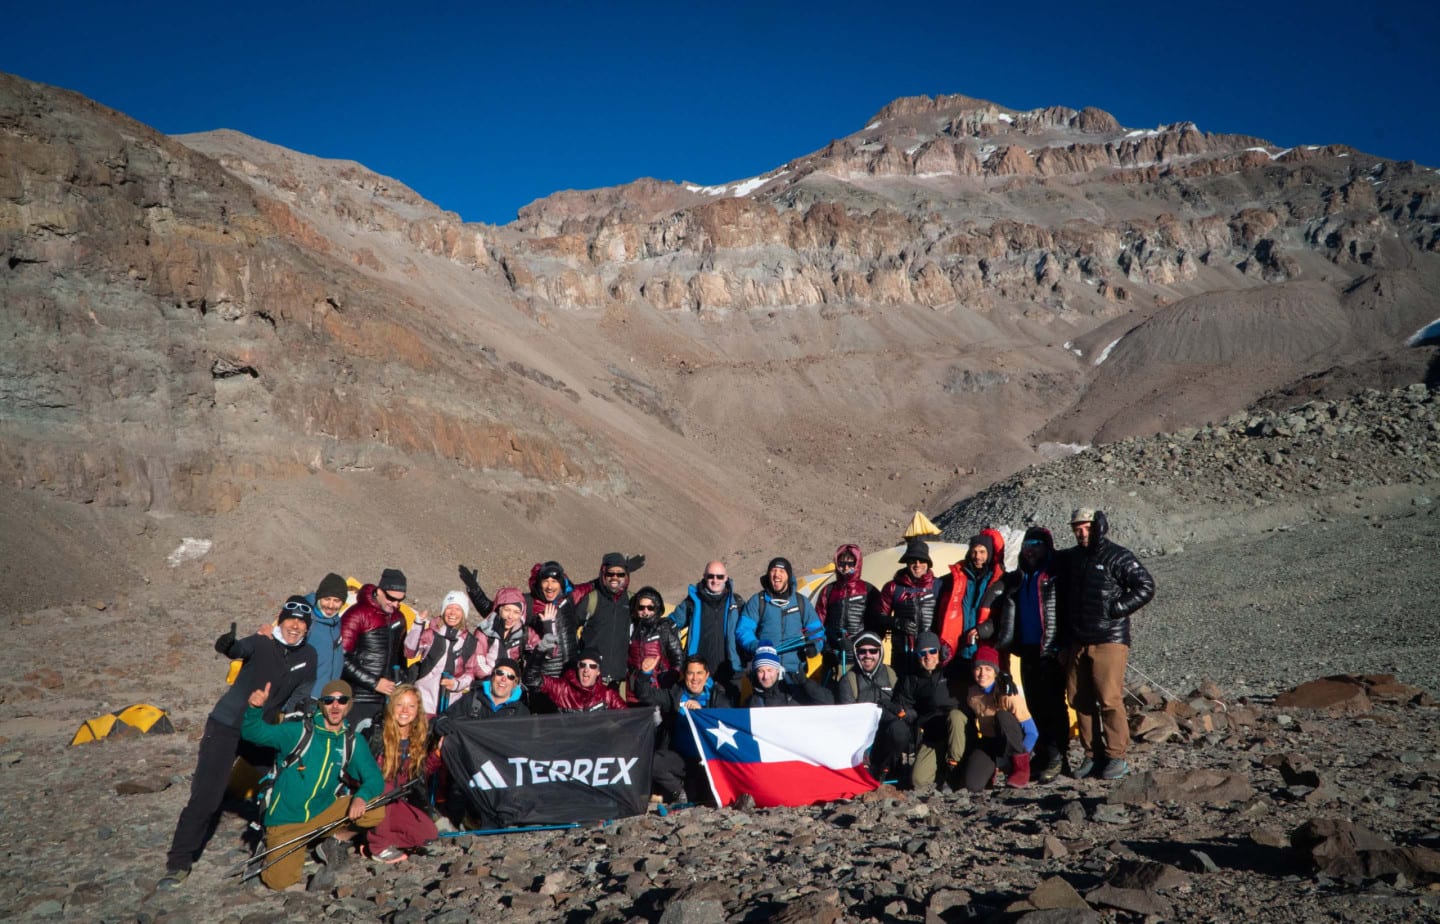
[554,769]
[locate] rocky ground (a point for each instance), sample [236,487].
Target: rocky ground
[1286,546]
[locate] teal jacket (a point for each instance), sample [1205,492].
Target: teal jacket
[308,787]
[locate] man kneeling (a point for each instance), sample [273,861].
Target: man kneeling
[309,793]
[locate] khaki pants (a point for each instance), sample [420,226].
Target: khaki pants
[287,870]
[951,728]
[1095,683]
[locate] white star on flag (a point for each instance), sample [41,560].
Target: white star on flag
[723,735]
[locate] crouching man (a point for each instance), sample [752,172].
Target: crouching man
[310,790]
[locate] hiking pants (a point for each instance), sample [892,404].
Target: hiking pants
[985,757]
[1044,682]
[942,738]
[218,747]
[287,870]
[1096,687]
[893,740]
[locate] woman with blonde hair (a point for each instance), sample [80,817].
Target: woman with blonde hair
[402,748]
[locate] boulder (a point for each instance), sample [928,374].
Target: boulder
[1200,785]
[1339,695]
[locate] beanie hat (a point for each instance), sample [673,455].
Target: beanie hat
[457,597]
[506,596]
[986,541]
[987,655]
[590,654]
[927,640]
[867,637]
[332,585]
[1039,534]
[507,662]
[392,579]
[780,562]
[297,607]
[551,569]
[766,656]
[337,687]
[916,549]
[613,560]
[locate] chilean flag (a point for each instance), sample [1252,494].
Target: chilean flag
[791,755]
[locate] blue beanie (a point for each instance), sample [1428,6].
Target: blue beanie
[766,655]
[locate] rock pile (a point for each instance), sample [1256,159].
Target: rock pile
[1216,824]
[1253,458]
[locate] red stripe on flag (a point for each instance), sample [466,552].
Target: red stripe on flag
[790,782]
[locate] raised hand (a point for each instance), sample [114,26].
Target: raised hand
[259,696]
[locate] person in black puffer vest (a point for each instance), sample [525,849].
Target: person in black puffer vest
[1101,585]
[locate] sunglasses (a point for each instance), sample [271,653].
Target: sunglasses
[644,608]
[295,606]
[616,573]
[392,598]
[506,675]
[867,651]
[929,651]
[845,565]
[331,700]
[715,577]
[588,666]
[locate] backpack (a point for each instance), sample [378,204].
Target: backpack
[266,787]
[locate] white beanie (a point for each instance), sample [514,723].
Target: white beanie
[458,597]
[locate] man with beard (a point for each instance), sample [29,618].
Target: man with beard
[708,616]
[847,606]
[603,606]
[550,613]
[871,681]
[372,632]
[1101,584]
[963,601]
[280,662]
[780,611]
[907,604]
[1024,615]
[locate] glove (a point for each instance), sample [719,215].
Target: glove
[809,651]
[223,643]
[634,563]
[471,580]
[442,726]
[1006,683]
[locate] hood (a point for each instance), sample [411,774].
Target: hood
[854,550]
[997,544]
[515,694]
[542,569]
[652,594]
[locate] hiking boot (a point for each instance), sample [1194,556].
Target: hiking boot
[1019,776]
[172,879]
[331,852]
[1086,768]
[1051,771]
[322,881]
[1115,768]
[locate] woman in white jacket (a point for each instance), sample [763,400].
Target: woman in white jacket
[451,656]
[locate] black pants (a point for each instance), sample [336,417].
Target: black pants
[672,775]
[1044,682]
[893,740]
[218,747]
[985,755]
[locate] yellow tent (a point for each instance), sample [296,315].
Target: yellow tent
[920,525]
[139,719]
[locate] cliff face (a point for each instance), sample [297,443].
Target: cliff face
[214,325]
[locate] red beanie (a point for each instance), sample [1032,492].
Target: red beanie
[987,655]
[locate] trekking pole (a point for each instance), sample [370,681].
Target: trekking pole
[482,832]
[301,840]
[442,702]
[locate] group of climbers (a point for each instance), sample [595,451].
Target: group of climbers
[949,710]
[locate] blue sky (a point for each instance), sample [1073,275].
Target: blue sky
[483,108]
